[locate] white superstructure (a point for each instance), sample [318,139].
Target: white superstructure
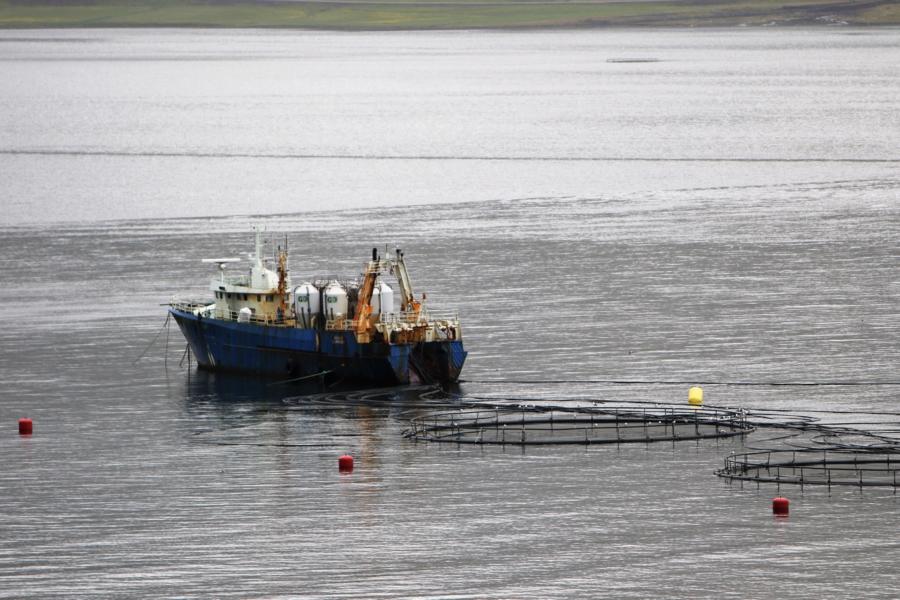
[263,296]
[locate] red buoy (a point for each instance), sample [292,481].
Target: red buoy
[780,506]
[25,427]
[345,464]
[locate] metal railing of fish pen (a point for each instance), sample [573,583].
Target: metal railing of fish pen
[535,425]
[813,466]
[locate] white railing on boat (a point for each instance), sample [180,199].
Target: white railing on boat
[393,320]
[422,318]
[189,306]
[211,311]
[255,318]
[236,280]
[401,319]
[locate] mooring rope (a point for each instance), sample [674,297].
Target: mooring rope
[165,326]
[282,382]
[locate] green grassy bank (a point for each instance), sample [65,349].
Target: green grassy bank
[435,14]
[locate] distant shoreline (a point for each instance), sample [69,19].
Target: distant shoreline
[393,15]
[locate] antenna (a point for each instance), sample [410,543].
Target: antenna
[222,262]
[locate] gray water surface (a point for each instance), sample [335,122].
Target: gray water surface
[728,213]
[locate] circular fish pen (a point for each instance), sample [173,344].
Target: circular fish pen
[812,466]
[537,425]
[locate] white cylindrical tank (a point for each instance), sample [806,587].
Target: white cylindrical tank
[375,302]
[306,304]
[382,296]
[387,298]
[244,315]
[335,301]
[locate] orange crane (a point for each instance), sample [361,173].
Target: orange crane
[408,303]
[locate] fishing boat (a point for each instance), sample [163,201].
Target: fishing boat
[335,329]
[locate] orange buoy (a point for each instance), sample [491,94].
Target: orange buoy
[780,506]
[26,427]
[345,464]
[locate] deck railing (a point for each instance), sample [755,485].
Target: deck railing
[398,319]
[215,312]
[394,319]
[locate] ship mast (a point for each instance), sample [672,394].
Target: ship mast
[364,299]
[282,278]
[407,301]
[257,254]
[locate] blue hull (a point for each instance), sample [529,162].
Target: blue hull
[292,353]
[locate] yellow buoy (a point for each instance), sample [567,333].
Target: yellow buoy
[695,396]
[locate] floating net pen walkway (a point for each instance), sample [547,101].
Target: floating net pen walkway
[812,466]
[536,425]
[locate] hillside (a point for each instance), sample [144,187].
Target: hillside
[449,14]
